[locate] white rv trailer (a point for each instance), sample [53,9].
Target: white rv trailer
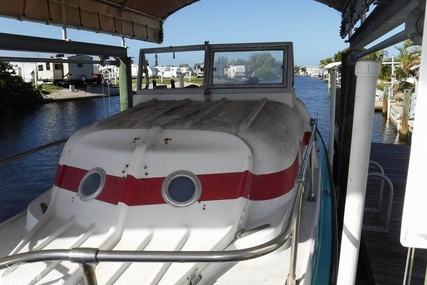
[111,71]
[67,72]
[236,71]
[24,69]
[198,69]
[167,71]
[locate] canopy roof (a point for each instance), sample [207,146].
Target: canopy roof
[139,19]
[143,19]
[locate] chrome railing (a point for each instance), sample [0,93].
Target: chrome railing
[31,151]
[89,257]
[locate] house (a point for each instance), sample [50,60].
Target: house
[313,71]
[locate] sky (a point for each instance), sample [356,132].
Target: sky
[311,26]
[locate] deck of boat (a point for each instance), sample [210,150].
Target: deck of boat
[386,255]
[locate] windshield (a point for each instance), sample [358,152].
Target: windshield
[215,68]
[248,67]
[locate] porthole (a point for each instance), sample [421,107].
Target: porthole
[92,184]
[181,188]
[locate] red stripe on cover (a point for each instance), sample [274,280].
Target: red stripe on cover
[224,186]
[69,178]
[273,185]
[214,187]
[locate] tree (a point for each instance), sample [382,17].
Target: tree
[385,72]
[264,65]
[326,61]
[14,92]
[378,56]
[410,58]
[336,58]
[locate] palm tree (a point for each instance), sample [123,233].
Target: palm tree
[410,57]
[378,56]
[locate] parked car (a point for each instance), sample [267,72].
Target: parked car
[97,78]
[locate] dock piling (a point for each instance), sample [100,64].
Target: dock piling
[404,130]
[386,91]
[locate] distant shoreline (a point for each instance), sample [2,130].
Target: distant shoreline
[81,93]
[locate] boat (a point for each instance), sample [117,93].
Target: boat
[222,183]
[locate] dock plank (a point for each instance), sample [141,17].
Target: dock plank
[386,255]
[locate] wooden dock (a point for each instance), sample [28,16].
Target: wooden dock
[386,255]
[396,115]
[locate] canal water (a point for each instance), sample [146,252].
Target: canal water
[23,180]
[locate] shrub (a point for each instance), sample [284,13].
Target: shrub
[15,93]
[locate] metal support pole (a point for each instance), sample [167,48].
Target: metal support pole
[409,265]
[89,275]
[36,44]
[125,83]
[395,39]
[367,73]
[64,34]
[294,242]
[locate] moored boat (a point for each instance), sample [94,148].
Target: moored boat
[100,214]
[221,183]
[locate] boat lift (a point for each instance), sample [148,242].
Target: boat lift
[376,25]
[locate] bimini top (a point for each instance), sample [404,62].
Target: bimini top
[143,19]
[137,19]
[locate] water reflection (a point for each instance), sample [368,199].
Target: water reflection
[313,92]
[21,181]
[385,131]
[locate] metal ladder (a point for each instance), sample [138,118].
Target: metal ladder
[380,174]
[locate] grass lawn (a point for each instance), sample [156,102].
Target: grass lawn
[49,88]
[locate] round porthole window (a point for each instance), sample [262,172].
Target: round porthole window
[92,184]
[181,188]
